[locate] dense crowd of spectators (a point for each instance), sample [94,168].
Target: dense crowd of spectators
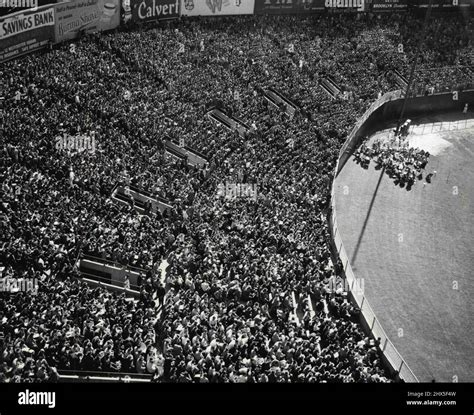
[252,295]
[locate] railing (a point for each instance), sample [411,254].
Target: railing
[95,281]
[114,263]
[186,153]
[352,140]
[140,197]
[94,376]
[110,273]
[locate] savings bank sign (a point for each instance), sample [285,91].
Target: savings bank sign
[147,10]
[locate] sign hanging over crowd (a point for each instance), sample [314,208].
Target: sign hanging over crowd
[389,6]
[85,16]
[26,31]
[24,22]
[288,6]
[149,10]
[442,5]
[216,7]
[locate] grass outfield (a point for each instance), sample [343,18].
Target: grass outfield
[415,249]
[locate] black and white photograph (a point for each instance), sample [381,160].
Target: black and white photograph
[256,199]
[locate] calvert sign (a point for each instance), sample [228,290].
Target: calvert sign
[147,10]
[216,7]
[85,16]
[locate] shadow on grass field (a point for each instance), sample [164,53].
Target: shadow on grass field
[415,249]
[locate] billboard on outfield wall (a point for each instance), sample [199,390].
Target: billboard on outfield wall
[438,5]
[85,16]
[288,6]
[26,31]
[150,10]
[216,7]
[381,6]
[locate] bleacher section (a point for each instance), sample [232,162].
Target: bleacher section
[140,199]
[231,123]
[98,270]
[400,80]
[278,100]
[190,155]
[242,123]
[330,87]
[295,315]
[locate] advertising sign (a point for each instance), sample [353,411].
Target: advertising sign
[443,4]
[216,7]
[288,6]
[26,31]
[85,16]
[380,6]
[149,10]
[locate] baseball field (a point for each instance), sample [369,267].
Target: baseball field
[415,248]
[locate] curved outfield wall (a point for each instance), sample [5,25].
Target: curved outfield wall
[381,113]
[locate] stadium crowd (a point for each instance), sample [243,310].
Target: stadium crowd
[252,294]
